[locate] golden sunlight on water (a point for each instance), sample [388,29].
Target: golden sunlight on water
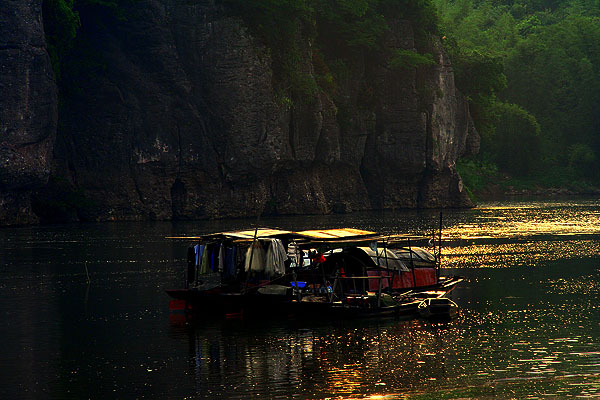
[528,327]
[528,221]
[502,237]
[518,253]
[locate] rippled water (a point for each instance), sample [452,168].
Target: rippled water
[529,325]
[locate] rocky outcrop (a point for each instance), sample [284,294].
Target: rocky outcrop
[450,133]
[422,127]
[177,117]
[28,109]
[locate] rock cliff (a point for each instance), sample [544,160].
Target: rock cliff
[28,109]
[177,117]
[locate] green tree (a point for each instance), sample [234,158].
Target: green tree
[480,77]
[554,73]
[516,142]
[61,23]
[548,52]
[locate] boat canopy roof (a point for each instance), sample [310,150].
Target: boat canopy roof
[250,234]
[343,233]
[385,258]
[317,238]
[267,233]
[418,253]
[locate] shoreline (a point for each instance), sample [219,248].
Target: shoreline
[497,192]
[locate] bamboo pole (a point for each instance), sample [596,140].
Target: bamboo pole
[412,264]
[440,249]
[250,261]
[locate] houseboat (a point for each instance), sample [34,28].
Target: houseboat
[313,273]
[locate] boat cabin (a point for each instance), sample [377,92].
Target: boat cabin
[311,259]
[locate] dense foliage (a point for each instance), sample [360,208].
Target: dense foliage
[343,33]
[63,20]
[531,70]
[61,23]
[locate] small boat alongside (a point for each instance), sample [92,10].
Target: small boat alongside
[333,273]
[438,308]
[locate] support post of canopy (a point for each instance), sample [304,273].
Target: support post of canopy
[250,261]
[412,264]
[439,251]
[197,268]
[387,266]
[379,292]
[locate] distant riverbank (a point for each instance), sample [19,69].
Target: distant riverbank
[497,192]
[500,191]
[484,182]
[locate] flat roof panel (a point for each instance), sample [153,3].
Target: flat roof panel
[317,234]
[335,233]
[260,232]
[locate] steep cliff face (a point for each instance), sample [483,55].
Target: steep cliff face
[423,126]
[183,122]
[177,117]
[28,109]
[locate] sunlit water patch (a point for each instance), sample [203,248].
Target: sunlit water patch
[476,254]
[530,220]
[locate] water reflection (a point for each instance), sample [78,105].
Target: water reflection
[474,254]
[523,234]
[511,353]
[522,333]
[529,325]
[345,359]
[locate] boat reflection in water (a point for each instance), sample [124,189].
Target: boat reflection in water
[336,273]
[328,360]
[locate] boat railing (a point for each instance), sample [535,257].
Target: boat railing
[343,278]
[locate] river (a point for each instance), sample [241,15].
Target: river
[529,323]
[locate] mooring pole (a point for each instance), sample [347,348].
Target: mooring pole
[412,264]
[251,256]
[440,249]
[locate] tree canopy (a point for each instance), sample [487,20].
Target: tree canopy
[531,71]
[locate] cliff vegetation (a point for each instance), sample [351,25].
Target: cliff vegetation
[340,30]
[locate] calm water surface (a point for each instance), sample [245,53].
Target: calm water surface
[529,325]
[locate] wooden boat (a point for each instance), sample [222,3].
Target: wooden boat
[222,302]
[336,304]
[438,308]
[336,272]
[354,306]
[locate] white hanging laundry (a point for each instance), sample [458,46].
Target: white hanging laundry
[276,256]
[255,258]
